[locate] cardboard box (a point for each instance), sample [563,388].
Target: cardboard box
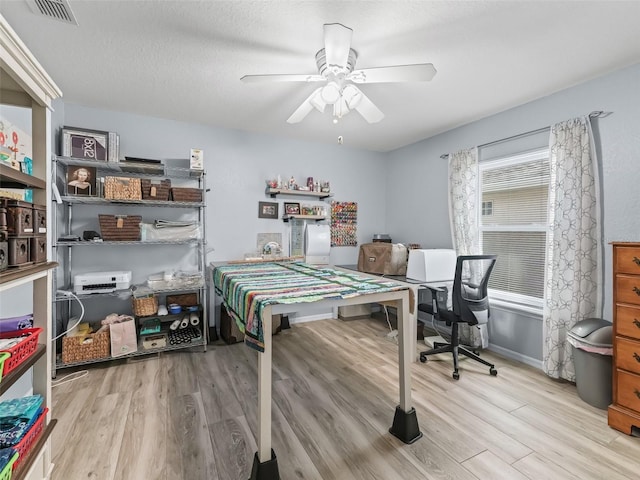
[230,332]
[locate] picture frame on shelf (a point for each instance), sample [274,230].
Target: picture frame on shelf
[84,143]
[267,210]
[82,181]
[292,208]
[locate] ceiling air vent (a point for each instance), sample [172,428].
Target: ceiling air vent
[56,9]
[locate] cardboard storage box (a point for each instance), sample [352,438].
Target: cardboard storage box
[230,332]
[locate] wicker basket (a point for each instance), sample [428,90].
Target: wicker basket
[123,228]
[143,307]
[179,194]
[90,347]
[122,188]
[155,190]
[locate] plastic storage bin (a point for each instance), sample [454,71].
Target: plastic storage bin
[592,344]
[23,349]
[7,469]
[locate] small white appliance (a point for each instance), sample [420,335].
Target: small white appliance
[101,282]
[317,244]
[431,265]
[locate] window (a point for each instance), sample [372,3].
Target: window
[513,223]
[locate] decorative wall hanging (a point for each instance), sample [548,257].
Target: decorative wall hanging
[344,220]
[267,210]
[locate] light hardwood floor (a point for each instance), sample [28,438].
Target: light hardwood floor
[192,415]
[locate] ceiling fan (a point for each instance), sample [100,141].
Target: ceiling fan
[336,63]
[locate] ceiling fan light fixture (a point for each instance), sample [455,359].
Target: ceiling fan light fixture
[351,96]
[317,102]
[330,93]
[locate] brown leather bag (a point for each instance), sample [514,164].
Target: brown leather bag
[383,258]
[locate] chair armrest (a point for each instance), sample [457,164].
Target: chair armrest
[439,295]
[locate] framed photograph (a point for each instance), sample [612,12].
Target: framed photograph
[267,210]
[81,181]
[84,144]
[292,208]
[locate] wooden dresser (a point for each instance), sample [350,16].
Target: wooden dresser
[624,412]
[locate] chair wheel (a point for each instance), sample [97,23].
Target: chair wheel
[423,358]
[456,376]
[493,372]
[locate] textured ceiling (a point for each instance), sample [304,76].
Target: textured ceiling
[183,59]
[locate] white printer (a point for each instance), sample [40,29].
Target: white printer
[101,282]
[431,265]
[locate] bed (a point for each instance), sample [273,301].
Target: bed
[252,293]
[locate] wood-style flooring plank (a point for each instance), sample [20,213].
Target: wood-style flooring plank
[536,466]
[189,444]
[487,465]
[102,427]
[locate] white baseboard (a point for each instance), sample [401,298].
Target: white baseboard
[532,362]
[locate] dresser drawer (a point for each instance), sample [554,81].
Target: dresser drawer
[627,260]
[627,321]
[627,354]
[628,289]
[628,390]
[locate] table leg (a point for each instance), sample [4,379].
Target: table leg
[405,421]
[265,463]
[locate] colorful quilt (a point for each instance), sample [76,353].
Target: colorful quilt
[247,288]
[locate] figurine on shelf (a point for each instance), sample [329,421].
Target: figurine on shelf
[292,183]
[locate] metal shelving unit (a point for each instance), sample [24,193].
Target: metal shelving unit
[66,216]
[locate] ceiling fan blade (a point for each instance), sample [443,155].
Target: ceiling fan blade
[309,104]
[421,72]
[285,77]
[366,108]
[337,42]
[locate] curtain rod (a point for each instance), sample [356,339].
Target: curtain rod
[594,114]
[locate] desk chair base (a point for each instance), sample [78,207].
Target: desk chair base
[266,470]
[456,350]
[405,426]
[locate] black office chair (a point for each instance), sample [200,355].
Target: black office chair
[469,304]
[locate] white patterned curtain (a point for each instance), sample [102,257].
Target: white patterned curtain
[574,247]
[463,200]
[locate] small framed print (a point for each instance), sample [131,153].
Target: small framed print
[84,144]
[292,208]
[267,210]
[81,181]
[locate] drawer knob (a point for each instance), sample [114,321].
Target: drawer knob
[636,260]
[636,290]
[636,356]
[635,390]
[636,322]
